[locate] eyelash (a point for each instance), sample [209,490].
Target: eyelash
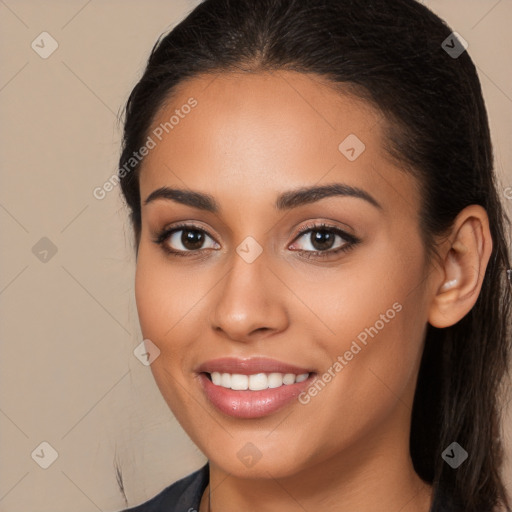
[351,241]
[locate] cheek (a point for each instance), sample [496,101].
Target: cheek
[368,302]
[377,324]
[165,298]
[162,317]
[369,376]
[150,298]
[170,304]
[164,313]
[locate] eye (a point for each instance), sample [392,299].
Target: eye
[323,240]
[184,239]
[320,240]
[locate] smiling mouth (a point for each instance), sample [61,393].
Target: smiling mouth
[256,381]
[253,395]
[254,387]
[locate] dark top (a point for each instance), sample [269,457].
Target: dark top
[185,496]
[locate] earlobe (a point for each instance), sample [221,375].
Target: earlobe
[465,261]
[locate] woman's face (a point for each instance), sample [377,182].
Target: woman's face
[330,287]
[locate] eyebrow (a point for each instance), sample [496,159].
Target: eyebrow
[285,201]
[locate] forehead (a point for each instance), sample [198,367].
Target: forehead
[260,132]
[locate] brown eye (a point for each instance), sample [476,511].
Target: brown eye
[323,239]
[191,239]
[185,239]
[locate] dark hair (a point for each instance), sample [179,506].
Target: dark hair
[389,53]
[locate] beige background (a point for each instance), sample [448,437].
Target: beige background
[69,326]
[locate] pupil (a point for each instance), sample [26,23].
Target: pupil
[322,240]
[192,239]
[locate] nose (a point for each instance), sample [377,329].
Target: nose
[251,302]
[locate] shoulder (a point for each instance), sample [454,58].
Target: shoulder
[182,496]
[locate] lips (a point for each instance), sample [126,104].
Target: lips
[250,366]
[285,381]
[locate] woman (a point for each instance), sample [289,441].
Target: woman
[321,257]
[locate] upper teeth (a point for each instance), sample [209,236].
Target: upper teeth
[257,381]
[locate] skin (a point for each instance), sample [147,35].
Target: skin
[251,137]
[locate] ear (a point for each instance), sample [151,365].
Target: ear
[463,264]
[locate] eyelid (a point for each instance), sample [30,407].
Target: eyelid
[323,226]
